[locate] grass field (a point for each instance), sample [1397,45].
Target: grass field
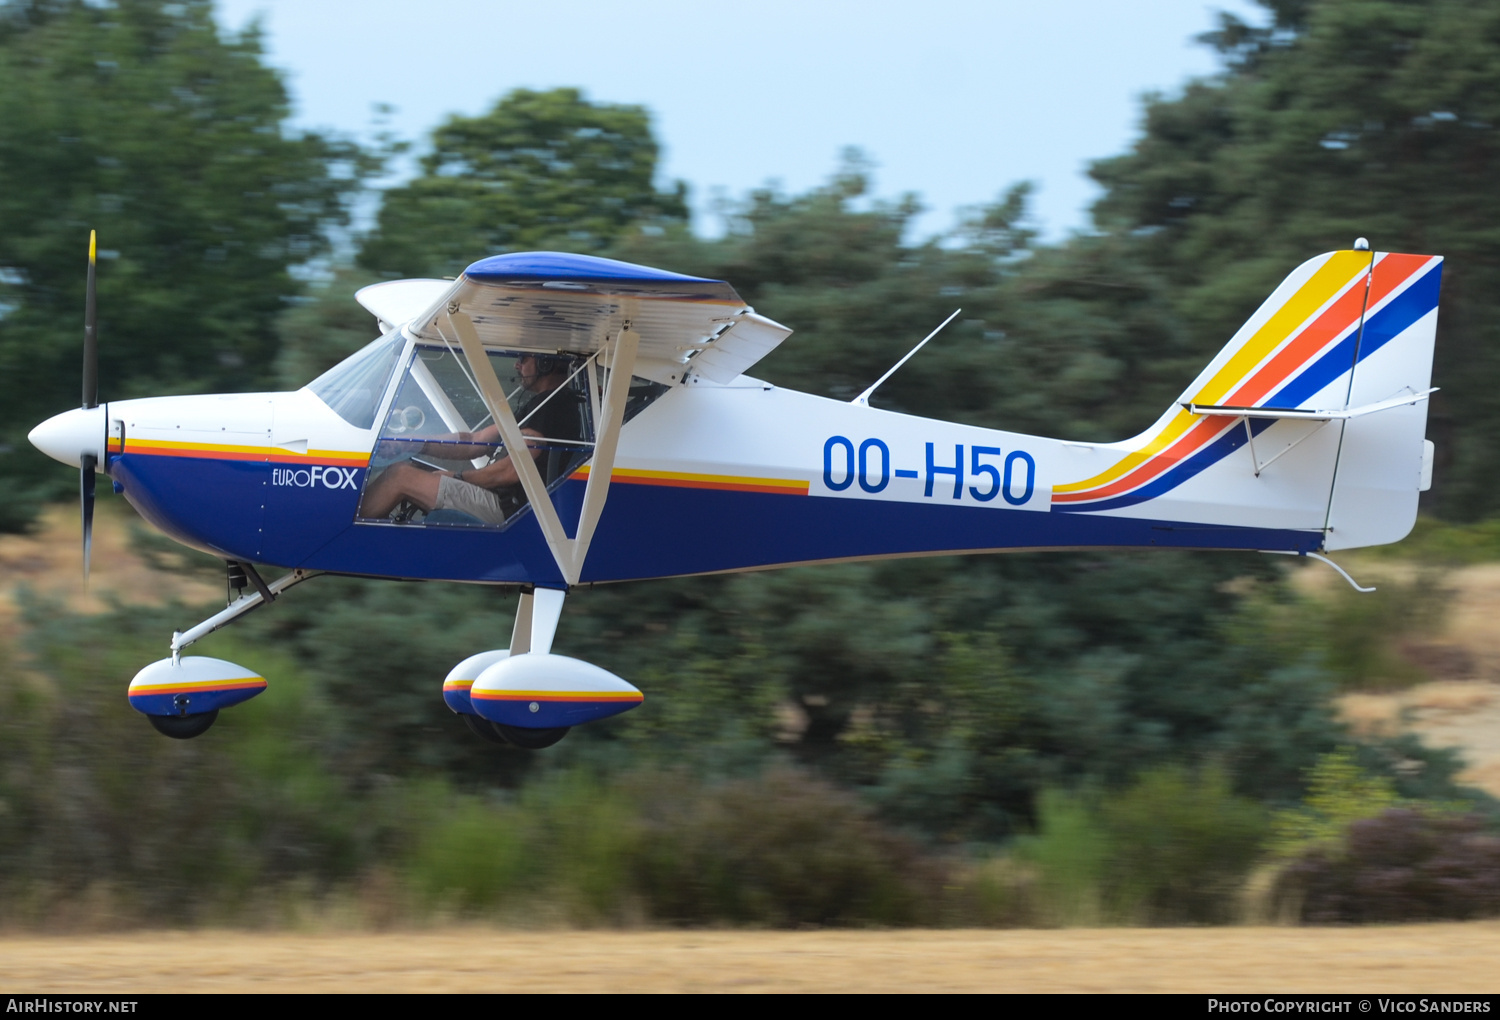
[1451,958]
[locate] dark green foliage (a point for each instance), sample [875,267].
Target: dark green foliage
[1403,865]
[541,169]
[286,795]
[950,691]
[178,829]
[143,120]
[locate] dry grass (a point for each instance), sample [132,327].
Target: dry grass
[49,561]
[1445,713]
[1452,958]
[1460,707]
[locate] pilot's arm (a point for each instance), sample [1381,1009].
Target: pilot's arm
[501,472]
[451,445]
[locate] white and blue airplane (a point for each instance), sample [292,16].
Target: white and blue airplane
[650,452]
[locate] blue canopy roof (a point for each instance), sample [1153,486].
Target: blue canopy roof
[556,265]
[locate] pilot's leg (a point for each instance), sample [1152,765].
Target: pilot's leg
[400,481]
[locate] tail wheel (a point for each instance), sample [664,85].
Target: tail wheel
[514,736]
[184,727]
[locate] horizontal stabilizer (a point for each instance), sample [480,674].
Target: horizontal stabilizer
[1301,414]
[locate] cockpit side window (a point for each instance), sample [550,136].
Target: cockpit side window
[354,386]
[440,459]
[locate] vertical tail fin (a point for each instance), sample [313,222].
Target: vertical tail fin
[1344,330]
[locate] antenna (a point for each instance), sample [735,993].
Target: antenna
[864,398]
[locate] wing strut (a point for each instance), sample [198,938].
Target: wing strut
[568,553]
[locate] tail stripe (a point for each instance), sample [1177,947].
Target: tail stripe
[1334,290]
[1402,290]
[1319,297]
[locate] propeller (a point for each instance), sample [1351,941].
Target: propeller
[89,462]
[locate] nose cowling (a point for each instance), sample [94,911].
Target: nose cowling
[67,437]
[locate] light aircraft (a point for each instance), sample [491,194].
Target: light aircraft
[650,452]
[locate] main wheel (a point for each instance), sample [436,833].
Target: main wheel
[484,730]
[184,727]
[529,739]
[514,736]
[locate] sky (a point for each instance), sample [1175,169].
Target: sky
[954,100]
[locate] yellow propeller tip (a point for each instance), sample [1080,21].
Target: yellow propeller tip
[93,244]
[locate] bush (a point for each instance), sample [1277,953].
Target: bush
[780,850]
[1172,848]
[1339,793]
[1069,853]
[1403,865]
[1182,846]
[1363,634]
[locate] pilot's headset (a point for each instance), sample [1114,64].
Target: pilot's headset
[551,364]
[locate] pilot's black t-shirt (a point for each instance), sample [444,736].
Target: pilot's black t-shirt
[560,417]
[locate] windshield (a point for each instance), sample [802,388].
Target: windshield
[354,386]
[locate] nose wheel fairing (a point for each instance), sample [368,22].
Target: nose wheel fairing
[192,685]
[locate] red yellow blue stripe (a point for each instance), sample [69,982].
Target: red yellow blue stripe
[687,480]
[1179,448]
[1185,433]
[508,695]
[241,452]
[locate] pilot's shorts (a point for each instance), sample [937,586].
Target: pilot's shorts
[470,499]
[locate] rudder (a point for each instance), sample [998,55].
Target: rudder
[1383,462]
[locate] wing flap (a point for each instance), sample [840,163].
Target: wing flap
[749,338]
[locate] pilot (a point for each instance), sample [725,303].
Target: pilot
[492,492]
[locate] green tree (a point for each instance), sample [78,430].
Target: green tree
[141,119]
[541,169]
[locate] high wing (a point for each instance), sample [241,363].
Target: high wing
[555,302]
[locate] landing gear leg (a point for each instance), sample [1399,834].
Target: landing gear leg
[182,696]
[264,594]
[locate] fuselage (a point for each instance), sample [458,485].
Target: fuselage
[1305,433]
[708,478]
